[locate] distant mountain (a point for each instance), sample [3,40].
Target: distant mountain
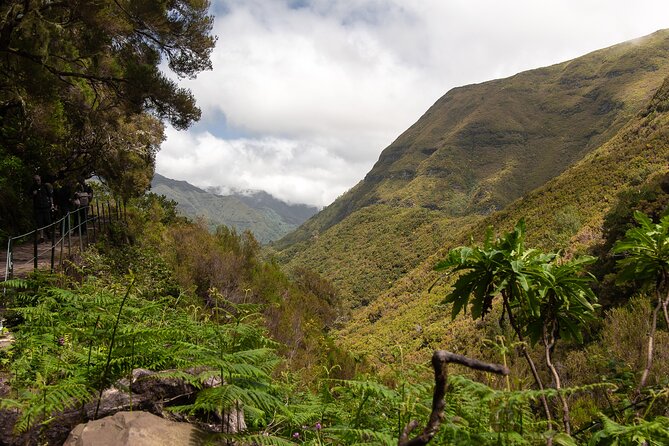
[474,152]
[268,218]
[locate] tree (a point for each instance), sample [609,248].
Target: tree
[129,154]
[73,73]
[543,297]
[567,305]
[646,262]
[499,268]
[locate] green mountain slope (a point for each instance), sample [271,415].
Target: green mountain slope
[409,313]
[476,150]
[265,216]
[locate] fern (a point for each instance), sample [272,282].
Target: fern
[360,436]
[16,284]
[37,405]
[368,388]
[256,439]
[652,433]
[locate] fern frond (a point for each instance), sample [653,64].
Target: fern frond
[360,436]
[51,399]
[17,284]
[369,388]
[257,439]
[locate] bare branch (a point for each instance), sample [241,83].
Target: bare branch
[440,360]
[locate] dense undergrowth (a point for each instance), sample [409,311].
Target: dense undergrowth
[175,299]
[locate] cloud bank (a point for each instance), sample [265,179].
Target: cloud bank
[304,95]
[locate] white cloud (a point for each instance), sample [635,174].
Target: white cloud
[296,171]
[319,90]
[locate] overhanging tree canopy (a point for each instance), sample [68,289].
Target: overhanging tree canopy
[74,74]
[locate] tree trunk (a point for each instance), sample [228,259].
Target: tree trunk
[651,345]
[549,342]
[528,358]
[664,308]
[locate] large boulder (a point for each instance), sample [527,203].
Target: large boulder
[144,390]
[135,429]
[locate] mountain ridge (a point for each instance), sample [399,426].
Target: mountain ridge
[636,156]
[267,217]
[475,151]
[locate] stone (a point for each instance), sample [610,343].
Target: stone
[134,429]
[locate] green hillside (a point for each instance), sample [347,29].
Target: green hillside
[265,216]
[636,156]
[477,149]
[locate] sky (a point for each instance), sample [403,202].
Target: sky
[304,95]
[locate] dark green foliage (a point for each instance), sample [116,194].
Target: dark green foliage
[646,249]
[536,287]
[73,342]
[82,92]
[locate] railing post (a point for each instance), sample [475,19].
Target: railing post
[53,244]
[35,248]
[109,223]
[97,208]
[94,218]
[8,267]
[81,240]
[62,238]
[87,220]
[69,235]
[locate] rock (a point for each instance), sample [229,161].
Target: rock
[145,391]
[134,429]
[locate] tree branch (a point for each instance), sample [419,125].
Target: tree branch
[440,360]
[63,74]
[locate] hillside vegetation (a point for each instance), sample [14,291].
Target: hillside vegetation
[557,303]
[568,212]
[475,151]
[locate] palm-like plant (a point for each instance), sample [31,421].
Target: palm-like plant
[543,298]
[646,261]
[502,267]
[567,305]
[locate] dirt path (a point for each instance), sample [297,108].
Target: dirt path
[24,254]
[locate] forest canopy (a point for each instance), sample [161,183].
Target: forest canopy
[82,87]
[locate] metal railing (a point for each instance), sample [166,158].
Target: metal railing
[75,224]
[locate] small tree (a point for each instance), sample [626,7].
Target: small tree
[543,297]
[500,268]
[646,262]
[567,305]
